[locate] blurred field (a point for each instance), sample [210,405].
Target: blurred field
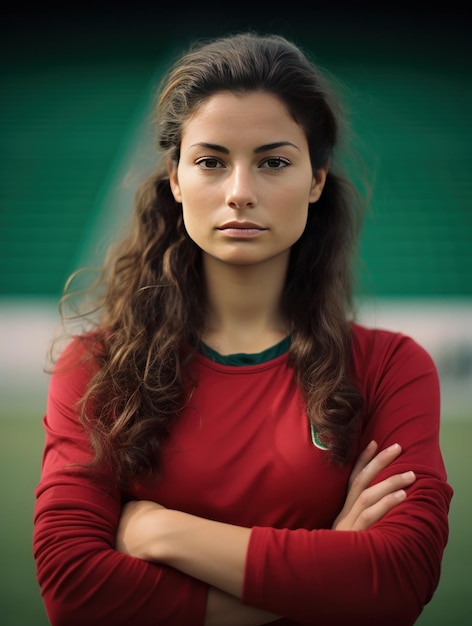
[20,457]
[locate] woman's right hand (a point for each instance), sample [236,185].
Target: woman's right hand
[366,503]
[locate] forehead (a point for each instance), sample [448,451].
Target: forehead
[229,114]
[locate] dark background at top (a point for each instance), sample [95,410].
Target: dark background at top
[41,32]
[71,78]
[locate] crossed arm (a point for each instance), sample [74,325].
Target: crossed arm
[215,552]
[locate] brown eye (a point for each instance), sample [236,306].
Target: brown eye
[275,163]
[208,163]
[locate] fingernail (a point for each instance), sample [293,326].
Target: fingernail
[408,475]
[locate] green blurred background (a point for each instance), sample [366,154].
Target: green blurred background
[76,95]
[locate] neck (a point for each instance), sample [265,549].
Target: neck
[244,312]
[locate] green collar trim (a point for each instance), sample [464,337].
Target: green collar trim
[242,358]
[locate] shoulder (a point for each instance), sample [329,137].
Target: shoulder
[78,360]
[380,343]
[378,353]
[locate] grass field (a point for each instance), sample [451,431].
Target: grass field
[20,456]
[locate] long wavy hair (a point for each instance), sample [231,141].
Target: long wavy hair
[150,300]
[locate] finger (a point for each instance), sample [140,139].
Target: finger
[374,495]
[369,464]
[377,511]
[364,458]
[376,492]
[374,502]
[362,479]
[383,498]
[362,488]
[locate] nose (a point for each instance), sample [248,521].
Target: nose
[241,193]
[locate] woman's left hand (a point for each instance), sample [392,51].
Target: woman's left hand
[137,528]
[367,503]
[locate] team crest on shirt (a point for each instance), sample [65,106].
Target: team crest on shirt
[316,440]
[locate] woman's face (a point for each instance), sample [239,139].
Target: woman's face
[244,178]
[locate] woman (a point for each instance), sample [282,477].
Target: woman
[226,418]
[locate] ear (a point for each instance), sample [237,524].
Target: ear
[174,180]
[318,182]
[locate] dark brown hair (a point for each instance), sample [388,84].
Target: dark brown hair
[152,305]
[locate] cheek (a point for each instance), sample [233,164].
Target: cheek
[296,217]
[194,218]
[299,224]
[295,221]
[194,196]
[190,222]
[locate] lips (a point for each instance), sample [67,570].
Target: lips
[234,225]
[241,230]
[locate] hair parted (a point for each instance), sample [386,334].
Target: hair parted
[150,294]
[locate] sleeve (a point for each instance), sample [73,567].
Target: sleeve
[83,579]
[384,575]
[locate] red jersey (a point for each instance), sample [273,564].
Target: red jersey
[242,452]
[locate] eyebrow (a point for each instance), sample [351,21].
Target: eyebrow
[266,147]
[273,146]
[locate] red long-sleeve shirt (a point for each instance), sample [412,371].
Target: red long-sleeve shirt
[242,452]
